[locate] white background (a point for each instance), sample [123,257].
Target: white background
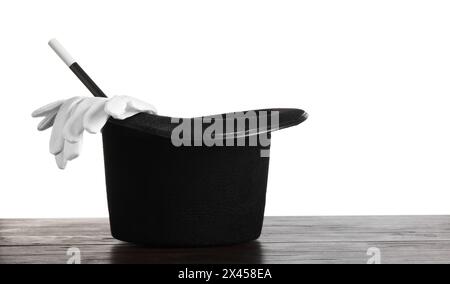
[373,75]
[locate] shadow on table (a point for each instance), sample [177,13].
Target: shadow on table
[243,253]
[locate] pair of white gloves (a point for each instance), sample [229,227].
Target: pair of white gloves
[71,117]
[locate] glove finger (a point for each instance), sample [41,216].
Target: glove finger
[73,129]
[57,139]
[71,150]
[47,122]
[60,161]
[49,108]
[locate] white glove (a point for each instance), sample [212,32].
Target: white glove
[71,117]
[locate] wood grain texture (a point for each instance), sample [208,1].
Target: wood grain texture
[401,239]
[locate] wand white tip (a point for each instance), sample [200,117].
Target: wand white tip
[61,52]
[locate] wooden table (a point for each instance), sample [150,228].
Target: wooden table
[399,239]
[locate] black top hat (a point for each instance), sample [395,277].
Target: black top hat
[165,195]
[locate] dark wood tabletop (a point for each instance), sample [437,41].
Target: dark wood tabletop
[395,239]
